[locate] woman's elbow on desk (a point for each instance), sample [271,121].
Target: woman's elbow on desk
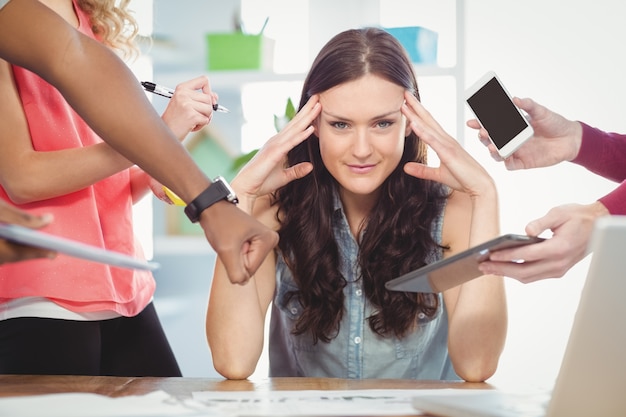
[479,371]
[233,358]
[233,368]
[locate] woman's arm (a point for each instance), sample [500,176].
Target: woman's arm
[477,313]
[477,310]
[235,318]
[109,98]
[28,175]
[107,95]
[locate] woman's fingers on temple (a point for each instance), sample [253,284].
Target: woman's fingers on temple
[419,116]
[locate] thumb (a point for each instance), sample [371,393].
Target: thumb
[235,268]
[538,226]
[418,170]
[257,249]
[526,104]
[298,171]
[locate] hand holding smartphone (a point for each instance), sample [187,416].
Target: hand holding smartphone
[495,111]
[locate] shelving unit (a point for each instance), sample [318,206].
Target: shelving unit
[230,83]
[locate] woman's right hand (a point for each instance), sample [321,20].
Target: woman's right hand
[267,171]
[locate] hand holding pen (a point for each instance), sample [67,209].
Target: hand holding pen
[191,105]
[190,109]
[169,93]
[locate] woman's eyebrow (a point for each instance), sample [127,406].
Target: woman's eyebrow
[381,116]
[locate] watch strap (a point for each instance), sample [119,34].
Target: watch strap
[212,194]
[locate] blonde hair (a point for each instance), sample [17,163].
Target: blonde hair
[113,24]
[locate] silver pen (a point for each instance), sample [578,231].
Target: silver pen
[168,92]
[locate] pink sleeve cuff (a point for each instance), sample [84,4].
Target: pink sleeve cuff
[615,201]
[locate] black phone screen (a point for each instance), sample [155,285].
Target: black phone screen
[497,113]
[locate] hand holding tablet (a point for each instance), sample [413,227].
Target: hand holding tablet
[457,269]
[30,237]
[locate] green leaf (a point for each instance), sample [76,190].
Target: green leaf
[240,161]
[290,110]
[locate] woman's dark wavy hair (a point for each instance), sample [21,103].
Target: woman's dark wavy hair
[397,235]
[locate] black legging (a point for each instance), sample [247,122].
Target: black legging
[124,346]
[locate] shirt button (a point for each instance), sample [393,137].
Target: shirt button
[357,340]
[359,292]
[294,310]
[421,315]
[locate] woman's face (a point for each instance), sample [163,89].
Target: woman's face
[361,133]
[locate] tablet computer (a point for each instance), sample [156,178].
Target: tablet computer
[457,269]
[31,237]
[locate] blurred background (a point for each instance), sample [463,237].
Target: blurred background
[565,54]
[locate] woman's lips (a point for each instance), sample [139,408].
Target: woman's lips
[361,169]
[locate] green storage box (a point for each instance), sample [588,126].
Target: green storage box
[238,51]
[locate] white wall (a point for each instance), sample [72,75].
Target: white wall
[567,55]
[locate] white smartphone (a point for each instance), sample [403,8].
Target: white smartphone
[495,111]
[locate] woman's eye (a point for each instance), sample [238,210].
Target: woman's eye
[339,125]
[384,123]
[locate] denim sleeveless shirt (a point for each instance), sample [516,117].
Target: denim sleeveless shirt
[356,352]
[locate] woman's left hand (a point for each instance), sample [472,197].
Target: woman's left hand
[457,168]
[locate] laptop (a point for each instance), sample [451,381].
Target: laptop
[592,375]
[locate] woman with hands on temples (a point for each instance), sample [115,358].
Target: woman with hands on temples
[346,186]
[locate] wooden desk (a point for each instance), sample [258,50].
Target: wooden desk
[14,385]
[18,385]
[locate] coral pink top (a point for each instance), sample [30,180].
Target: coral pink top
[100,214]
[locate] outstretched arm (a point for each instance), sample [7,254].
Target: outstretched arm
[103,90]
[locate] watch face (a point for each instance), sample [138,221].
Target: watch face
[231,197]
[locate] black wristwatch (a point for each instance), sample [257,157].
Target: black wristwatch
[218,190]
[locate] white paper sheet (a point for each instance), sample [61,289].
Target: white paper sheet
[302,403]
[310,402]
[155,404]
